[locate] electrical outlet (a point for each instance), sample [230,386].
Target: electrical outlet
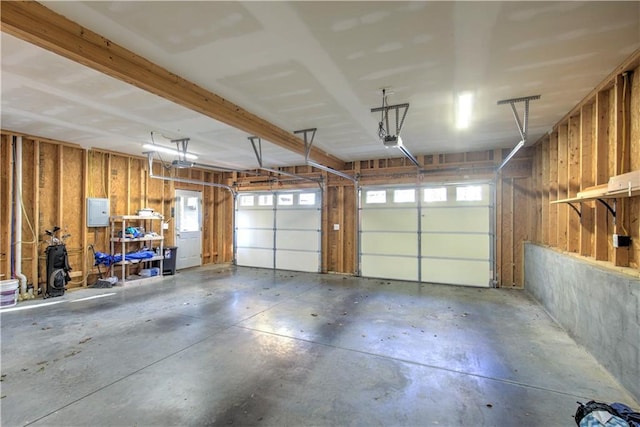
[621,241]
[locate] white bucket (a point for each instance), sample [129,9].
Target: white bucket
[8,293]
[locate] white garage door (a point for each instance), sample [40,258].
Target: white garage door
[439,234]
[279,230]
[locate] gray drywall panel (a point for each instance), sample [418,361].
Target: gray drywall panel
[598,307]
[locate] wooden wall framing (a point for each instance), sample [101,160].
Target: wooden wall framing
[58,178]
[598,139]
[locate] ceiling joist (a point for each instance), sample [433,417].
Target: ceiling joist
[36,24]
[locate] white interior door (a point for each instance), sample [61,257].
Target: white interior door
[188,217]
[279,230]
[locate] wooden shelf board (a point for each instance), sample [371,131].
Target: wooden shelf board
[620,194]
[138,261]
[135,217]
[136,239]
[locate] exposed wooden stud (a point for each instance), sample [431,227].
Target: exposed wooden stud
[499,232]
[563,177]
[36,209]
[6,172]
[60,180]
[601,173]
[587,178]
[573,183]
[544,215]
[34,23]
[86,264]
[128,184]
[622,160]
[553,188]
[521,217]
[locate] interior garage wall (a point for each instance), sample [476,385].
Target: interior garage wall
[571,266]
[599,308]
[58,178]
[598,139]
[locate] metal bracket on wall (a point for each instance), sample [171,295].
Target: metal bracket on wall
[612,210]
[578,211]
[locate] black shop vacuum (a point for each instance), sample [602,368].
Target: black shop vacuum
[57,264]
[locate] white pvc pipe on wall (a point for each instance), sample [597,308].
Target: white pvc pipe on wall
[18,218]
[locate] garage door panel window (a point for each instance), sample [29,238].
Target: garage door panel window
[436,194]
[285,199]
[469,193]
[307,199]
[247,200]
[265,200]
[375,197]
[404,196]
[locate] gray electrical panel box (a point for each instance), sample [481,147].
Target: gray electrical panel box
[97,212]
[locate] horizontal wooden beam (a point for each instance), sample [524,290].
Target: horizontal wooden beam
[36,24]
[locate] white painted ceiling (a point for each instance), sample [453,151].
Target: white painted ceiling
[321,65]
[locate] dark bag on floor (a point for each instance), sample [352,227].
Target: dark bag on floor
[57,270]
[597,414]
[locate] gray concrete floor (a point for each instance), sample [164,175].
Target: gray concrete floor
[223,345]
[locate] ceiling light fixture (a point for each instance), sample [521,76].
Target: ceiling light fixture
[464,109]
[169,150]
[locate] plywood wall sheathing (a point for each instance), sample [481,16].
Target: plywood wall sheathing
[72,221]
